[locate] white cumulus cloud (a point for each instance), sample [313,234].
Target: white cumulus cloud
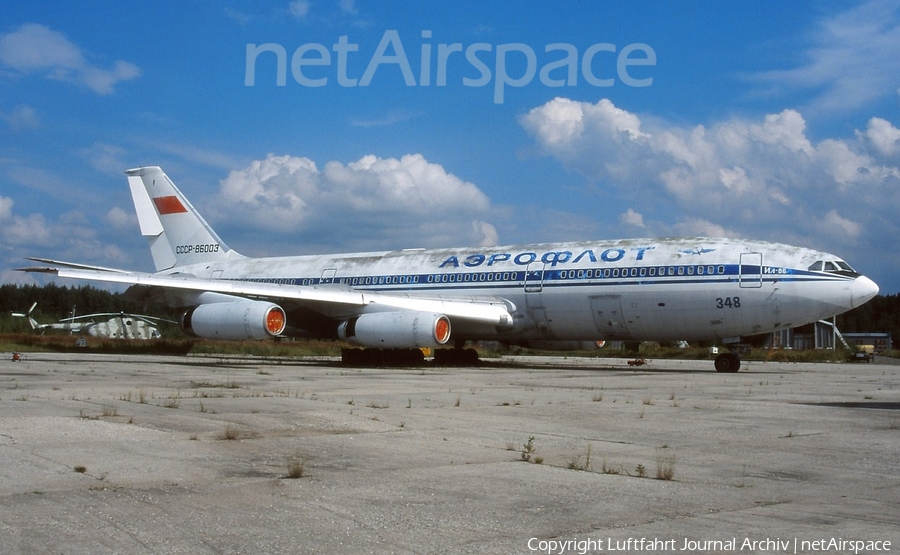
[631,217]
[761,177]
[883,136]
[35,48]
[372,203]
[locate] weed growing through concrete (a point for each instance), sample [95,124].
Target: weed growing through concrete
[606,469]
[84,416]
[576,464]
[296,468]
[528,449]
[665,466]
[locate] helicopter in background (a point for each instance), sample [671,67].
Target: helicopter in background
[108,325]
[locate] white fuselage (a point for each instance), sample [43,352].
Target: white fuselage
[634,289]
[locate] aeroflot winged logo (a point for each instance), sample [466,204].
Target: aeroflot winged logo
[168,205]
[698,251]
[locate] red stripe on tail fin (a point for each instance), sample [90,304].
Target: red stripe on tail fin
[168,205]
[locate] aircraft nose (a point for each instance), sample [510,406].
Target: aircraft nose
[862,291]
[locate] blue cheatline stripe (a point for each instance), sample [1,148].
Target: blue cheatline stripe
[638,275]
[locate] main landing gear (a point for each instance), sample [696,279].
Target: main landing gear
[728,362]
[455,357]
[380,358]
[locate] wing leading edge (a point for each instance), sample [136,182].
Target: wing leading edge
[492,311]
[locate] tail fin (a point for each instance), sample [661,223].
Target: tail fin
[176,232]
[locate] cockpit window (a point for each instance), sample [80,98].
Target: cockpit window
[833,267]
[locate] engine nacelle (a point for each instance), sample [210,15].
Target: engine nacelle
[234,320]
[396,330]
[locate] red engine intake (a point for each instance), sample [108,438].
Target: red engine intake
[235,320]
[396,330]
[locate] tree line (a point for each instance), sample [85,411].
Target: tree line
[881,314]
[55,302]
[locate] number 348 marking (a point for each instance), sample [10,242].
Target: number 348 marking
[728,302]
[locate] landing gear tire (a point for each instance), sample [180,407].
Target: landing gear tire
[380,358]
[455,357]
[728,363]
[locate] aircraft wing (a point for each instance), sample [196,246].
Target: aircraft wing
[494,311]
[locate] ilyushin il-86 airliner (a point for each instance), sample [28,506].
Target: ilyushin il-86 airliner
[550,295]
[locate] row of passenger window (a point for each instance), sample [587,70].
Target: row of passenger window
[435,278]
[651,271]
[278,281]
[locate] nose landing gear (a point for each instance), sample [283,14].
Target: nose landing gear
[728,362]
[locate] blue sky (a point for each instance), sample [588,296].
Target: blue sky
[768,120]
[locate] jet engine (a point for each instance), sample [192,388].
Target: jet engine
[396,330]
[241,319]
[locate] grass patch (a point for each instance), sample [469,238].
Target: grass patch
[231,433]
[296,468]
[577,464]
[665,466]
[606,469]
